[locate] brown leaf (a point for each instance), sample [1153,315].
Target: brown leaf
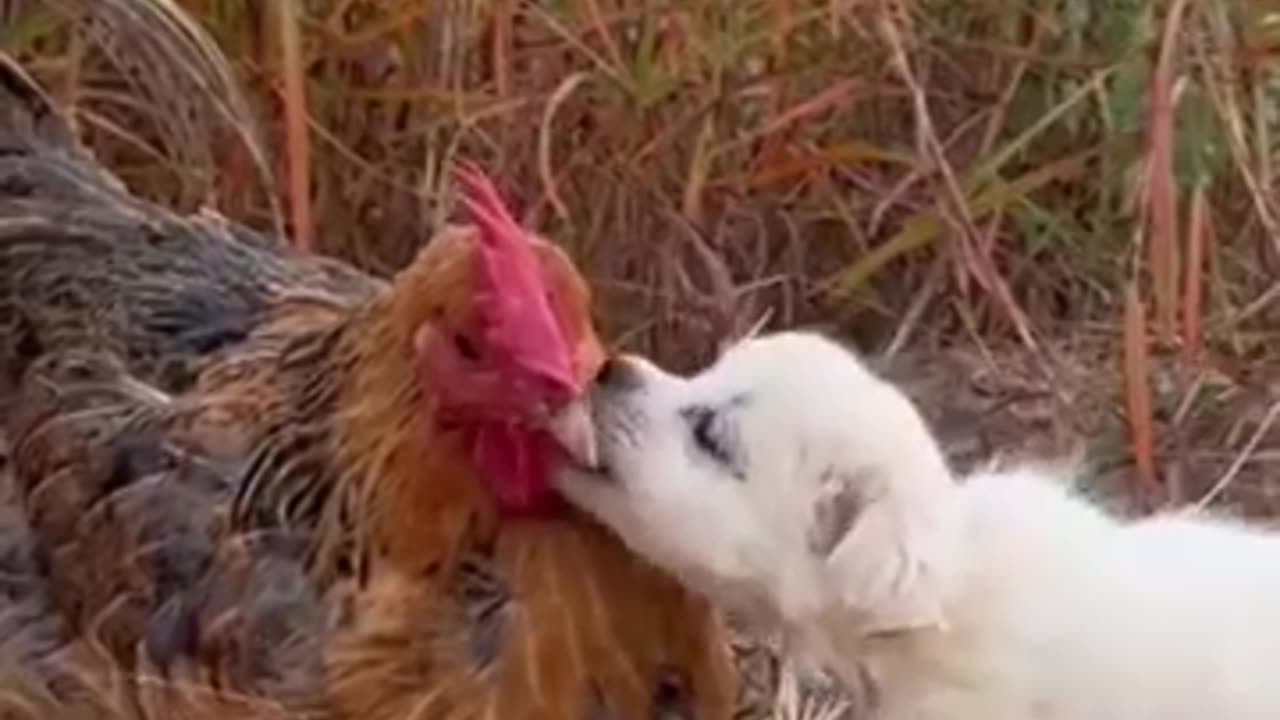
[1199,230]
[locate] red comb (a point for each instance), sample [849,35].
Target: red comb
[514,293]
[486,207]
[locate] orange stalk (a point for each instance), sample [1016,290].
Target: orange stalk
[297,137]
[1137,367]
[501,47]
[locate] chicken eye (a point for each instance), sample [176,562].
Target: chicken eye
[466,348]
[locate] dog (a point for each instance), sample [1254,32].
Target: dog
[799,490]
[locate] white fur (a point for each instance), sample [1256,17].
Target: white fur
[999,597]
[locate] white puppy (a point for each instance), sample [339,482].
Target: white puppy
[792,485]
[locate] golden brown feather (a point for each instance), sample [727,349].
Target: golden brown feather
[235,391]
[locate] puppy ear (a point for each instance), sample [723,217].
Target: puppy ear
[882,551]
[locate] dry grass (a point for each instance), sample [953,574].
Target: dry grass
[823,154]
[1067,209]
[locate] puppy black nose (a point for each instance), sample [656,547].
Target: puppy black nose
[617,374]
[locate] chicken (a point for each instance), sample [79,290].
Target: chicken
[230,453]
[47,672]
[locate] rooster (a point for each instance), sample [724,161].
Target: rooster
[219,440]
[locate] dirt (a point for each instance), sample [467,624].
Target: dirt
[1216,426]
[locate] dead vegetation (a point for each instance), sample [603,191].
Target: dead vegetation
[1058,221]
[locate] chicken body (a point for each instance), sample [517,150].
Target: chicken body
[226,455]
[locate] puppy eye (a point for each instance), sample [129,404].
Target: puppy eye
[705,429]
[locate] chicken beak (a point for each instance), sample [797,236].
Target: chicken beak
[573,428]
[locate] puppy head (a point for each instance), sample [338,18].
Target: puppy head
[786,478]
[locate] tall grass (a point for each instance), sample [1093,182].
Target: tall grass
[1003,172]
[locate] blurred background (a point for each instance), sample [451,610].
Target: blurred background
[1056,221]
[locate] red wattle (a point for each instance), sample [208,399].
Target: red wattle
[515,464]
